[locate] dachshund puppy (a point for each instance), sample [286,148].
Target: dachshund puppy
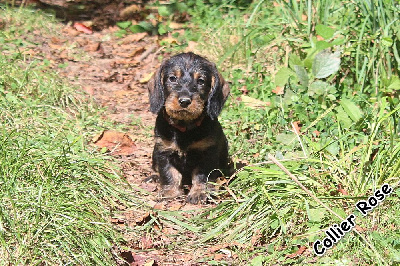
[187,93]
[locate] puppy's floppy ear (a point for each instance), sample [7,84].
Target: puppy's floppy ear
[156,90]
[218,94]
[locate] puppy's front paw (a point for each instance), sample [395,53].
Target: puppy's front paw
[170,191]
[197,195]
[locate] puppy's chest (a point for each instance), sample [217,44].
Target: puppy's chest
[185,145]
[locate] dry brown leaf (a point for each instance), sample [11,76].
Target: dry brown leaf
[297,127]
[175,206]
[254,103]
[137,51]
[146,77]
[150,263]
[297,253]
[129,11]
[342,190]
[82,28]
[118,143]
[219,256]
[279,90]
[143,219]
[92,47]
[134,37]
[146,242]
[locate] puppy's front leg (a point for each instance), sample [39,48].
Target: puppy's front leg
[171,180]
[197,193]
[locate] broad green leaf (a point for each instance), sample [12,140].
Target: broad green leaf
[387,41]
[257,261]
[325,64]
[282,76]
[333,148]
[317,87]
[137,28]
[147,26]
[321,45]
[352,110]
[342,117]
[394,84]
[124,24]
[324,31]
[285,138]
[164,11]
[316,215]
[295,60]
[302,75]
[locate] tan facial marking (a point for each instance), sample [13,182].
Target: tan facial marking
[175,111]
[196,75]
[178,73]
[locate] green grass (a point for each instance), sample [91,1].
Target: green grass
[349,112]
[56,194]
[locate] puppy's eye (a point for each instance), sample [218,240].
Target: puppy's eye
[200,81]
[172,78]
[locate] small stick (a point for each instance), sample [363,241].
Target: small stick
[147,52]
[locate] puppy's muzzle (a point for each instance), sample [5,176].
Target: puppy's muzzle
[184,102]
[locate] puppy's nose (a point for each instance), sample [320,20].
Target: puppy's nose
[184,102]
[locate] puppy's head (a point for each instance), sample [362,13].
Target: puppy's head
[188,85]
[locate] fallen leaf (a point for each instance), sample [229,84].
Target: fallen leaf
[137,51]
[93,47]
[146,77]
[297,253]
[82,28]
[320,38]
[342,190]
[160,206]
[143,219]
[117,221]
[279,90]
[219,256]
[175,207]
[146,242]
[174,25]
[253,102]
[150,187]
[150,263]
[134,37]
[118,143]
[316,132]
[129,11]
[360,229]
[297,127]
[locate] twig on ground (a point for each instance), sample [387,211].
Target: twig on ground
[147,52]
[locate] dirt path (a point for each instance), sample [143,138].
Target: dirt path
[114,72]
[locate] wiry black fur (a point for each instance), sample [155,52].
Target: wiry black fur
[187,151]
